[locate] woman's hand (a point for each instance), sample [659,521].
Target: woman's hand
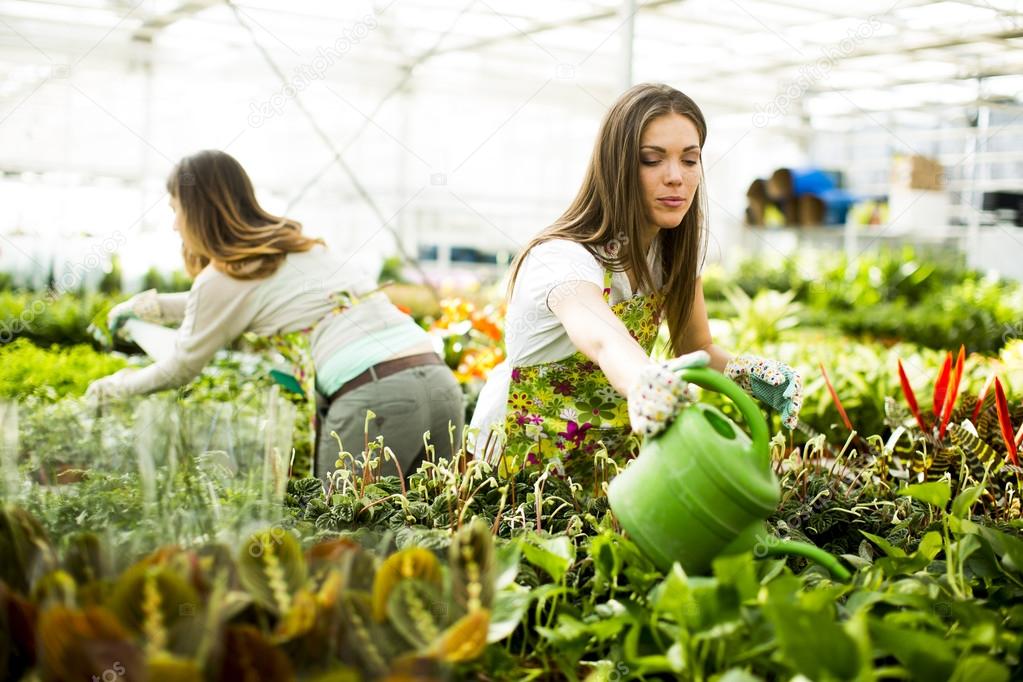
[659,392]
[105,389]
[771,382]
[143,306]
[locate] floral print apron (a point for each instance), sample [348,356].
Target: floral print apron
[566,410]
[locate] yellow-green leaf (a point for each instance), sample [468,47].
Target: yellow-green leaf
[413,562]
[465,640]
[934,493]
[272,568]
[167,668]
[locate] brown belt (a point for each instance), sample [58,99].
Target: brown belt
[386,369]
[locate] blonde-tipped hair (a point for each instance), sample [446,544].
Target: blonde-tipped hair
[224,224]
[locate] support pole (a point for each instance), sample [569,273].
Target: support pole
[973,196]
[628,35]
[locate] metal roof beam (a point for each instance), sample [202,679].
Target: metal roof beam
[1010,70]
[186,10]
[896,49]
[543,27]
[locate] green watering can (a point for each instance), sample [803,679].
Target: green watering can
[702,488]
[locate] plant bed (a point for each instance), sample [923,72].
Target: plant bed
[194,572]
[936,593]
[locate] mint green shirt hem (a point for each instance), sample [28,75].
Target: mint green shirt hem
[354,359]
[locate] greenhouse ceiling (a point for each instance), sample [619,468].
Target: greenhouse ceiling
[875,54]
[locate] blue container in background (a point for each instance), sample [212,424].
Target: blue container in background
[792,183]
[812,180]
[837,203]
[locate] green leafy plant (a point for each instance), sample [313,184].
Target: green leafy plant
[52,373]
[186,569]
[170,283]
[889,295]
[762,318]
[965,443]
[45,318]
[181,614]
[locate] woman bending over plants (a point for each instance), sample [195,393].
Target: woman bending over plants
[587,296]
[354,350]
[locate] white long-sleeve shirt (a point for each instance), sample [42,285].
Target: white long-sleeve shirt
[219,308]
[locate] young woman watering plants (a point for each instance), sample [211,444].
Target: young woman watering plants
[588,294]
[257,272]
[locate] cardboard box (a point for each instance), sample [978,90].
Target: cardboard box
[917,172]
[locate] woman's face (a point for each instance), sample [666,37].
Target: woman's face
[669,169]
[179,216]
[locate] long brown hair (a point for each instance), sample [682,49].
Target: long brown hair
[224,224]
[608,209]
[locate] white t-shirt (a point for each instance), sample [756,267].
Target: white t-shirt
[533,334]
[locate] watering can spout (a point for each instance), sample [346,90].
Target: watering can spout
[703,488]
[811,552]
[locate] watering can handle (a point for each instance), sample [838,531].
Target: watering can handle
[715,381]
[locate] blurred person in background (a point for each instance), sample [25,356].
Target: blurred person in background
[589,293]
[353,349]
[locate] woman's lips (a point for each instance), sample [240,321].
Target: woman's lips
[671,202]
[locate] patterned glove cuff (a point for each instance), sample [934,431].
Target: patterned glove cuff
[146,306]
[738,370]
[773,383]
[654,399]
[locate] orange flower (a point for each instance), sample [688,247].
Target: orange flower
[485,325]
[477,363]
[453,311]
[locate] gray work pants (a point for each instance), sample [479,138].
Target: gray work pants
[406,405]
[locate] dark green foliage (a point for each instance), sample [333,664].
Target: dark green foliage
[112,281]
[889,295]
[937,591]
[165,284]
[45,318]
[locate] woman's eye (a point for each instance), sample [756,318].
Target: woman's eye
[690,162]
[650,162]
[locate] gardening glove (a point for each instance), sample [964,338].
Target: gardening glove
[658,393]
[771,382]
[143,306]
[105,389]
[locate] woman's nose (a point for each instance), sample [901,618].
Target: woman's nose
[673,174]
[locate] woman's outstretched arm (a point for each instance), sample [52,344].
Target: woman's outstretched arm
[598,333]
[217,310]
